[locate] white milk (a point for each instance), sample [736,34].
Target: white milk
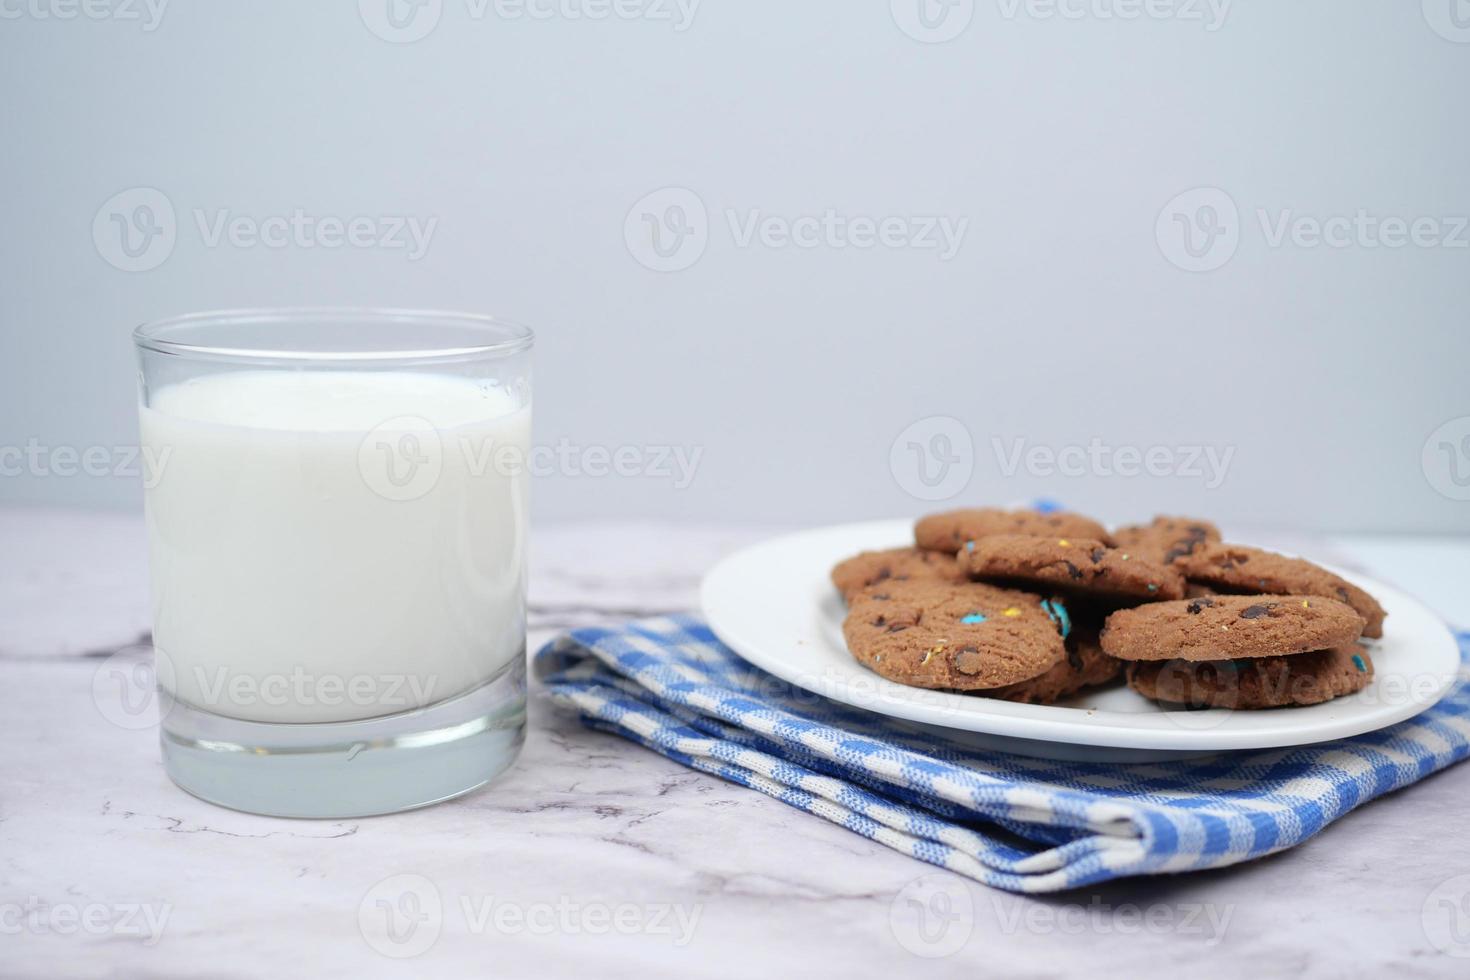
[330,545]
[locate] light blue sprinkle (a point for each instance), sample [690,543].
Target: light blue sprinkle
[973,618]
[1057,613]
[1358,663]
[1062,615]
[1152,587]
[969,546]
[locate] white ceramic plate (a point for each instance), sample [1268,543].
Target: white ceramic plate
[774,605]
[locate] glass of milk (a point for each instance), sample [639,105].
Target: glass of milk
[337,542]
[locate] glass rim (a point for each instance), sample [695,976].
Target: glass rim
[509,336]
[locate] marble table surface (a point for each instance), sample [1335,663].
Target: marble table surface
[595,857]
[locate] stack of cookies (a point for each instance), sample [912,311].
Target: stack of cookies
[1035,607]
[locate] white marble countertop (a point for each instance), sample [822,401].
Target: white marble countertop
[595,857]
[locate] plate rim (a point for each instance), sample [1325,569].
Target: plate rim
[1050,723]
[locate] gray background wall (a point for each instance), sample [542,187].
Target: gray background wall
[1071,313]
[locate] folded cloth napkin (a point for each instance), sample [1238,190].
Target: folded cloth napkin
[1026,825]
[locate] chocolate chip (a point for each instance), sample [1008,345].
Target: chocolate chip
[967,660]
[1257,611]
[880,620]
[1074,655]
[1097,554]
[897,628]
[1198,604]
[880,595]
[1073,570]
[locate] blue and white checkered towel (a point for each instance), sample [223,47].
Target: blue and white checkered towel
[1027,825]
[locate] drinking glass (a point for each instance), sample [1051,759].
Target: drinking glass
[336,520]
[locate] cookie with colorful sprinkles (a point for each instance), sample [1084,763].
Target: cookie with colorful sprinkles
[1237,568]
[854,574]
[1230,627]
[951,530]
[1086,666]
[1262,682]
[967,637]
[1079,565]
[1166,539]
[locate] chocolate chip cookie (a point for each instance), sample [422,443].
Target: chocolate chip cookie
[896,564]
[1230,627]
[964,637]
[1086,666]
[1079,565]
[1236,568]
[951,530]
[1263,682]
[1166,539]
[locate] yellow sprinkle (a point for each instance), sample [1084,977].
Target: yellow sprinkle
[1125,556]
[1304,604]
[1064,542]
[931,652]
[1012,612]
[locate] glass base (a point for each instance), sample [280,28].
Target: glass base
[350,769]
